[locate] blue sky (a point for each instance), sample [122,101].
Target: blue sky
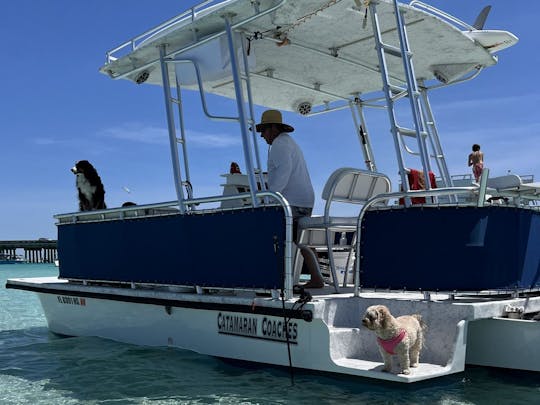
[56,108]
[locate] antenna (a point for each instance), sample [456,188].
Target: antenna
[482,17]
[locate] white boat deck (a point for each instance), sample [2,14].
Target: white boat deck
[373,369]
[481,305]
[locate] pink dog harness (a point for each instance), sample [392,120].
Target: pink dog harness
[390,344]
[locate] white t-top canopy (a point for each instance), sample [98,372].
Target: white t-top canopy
[315,52]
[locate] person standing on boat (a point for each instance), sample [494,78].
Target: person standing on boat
[476,160]
[288,175]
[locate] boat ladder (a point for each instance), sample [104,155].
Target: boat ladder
[423,123]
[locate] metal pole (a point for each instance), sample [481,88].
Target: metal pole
[363,136]
[445,173]
[172,131]
[183,133]
[252,119]
[483,185]
[241,112]
[388,94]
[413,93]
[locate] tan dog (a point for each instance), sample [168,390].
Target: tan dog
[403,336]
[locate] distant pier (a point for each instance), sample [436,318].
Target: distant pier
[35,251]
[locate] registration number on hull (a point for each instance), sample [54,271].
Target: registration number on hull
[69,300]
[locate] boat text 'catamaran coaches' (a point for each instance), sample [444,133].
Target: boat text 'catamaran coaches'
[288,174]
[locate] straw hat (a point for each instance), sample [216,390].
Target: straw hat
[273,117]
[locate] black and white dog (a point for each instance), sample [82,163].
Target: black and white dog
[89,185]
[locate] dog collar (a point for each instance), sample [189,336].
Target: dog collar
[390,344]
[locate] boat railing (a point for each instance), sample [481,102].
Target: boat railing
[527,178]
[171,208]
[397,195]
[187,16]
[441,14]
[164,208]
[166,27]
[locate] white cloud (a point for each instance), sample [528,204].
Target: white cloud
[137,133]
[489,103]
[214,140]
[157,135]
[90,146]
[511,132]
[46,141]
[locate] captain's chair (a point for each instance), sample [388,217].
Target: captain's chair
[345,185]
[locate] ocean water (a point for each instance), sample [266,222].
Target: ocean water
[38,367]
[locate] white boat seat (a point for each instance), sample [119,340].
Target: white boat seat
[530,188]
[512,186]
[355,186]
[345,185]
[331,222]
[504,182]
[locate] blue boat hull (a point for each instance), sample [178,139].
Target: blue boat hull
[240,248]
[450,248]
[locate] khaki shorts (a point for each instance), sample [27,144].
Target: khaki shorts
[299,212]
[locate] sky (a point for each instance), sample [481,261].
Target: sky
[56,109]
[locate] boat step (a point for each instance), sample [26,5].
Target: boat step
[354,351]
[373,369]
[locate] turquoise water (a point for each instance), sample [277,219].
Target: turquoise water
[37,367]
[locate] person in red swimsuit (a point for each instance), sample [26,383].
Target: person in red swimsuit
[476,160]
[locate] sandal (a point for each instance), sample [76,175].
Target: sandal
[298,289]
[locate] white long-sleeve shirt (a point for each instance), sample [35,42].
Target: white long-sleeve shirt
[288,173]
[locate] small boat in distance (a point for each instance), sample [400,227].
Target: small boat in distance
[10,259]
[226,283]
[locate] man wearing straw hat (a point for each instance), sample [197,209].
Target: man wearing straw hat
[288,175]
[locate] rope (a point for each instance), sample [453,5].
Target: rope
[305,297]
[285,319]
[284,33]
[305,18]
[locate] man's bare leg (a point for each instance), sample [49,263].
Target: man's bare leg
[310,259]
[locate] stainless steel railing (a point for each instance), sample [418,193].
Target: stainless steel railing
[169,208]
[396,195]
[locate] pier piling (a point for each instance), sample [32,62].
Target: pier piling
[35,251]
